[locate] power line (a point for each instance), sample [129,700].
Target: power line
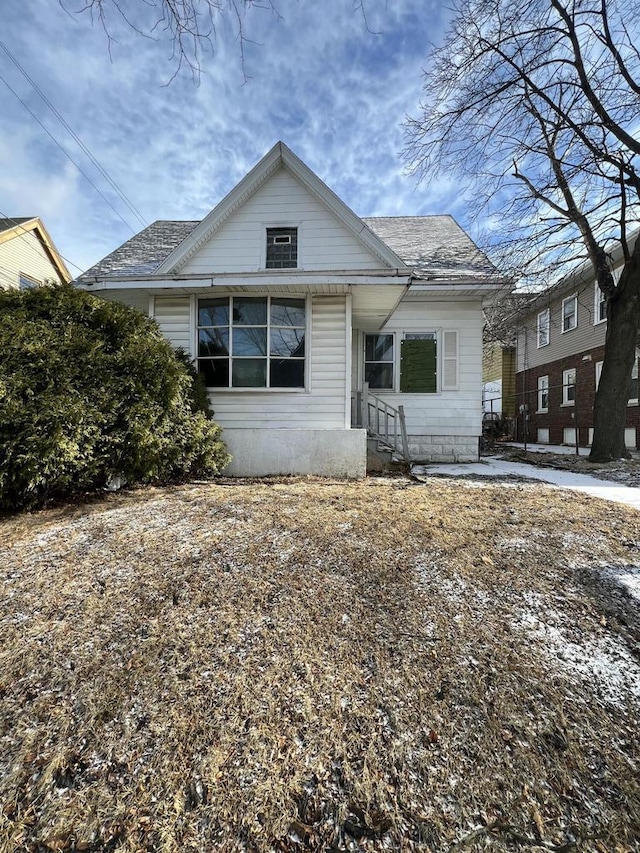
[23,236]
[66,154]
[77,139]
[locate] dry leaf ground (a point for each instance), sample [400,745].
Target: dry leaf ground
[314,665]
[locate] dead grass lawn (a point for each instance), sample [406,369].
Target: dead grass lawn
[315,665]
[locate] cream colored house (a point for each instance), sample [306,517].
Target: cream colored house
[313,326]
[28,256]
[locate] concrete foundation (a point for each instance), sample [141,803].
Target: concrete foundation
[324,452]
[443,448]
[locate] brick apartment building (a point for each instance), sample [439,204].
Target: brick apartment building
[559,353]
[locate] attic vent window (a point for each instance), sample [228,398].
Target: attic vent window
[282,248]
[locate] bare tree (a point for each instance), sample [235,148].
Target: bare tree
[190,26]
[535,106]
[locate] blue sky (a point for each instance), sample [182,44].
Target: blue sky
[334,88]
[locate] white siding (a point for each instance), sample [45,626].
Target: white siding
[173,315]
[324,243]
[322,406]
[137,299]
[25,254]
[446,413]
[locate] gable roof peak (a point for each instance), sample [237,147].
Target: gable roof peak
[280,155]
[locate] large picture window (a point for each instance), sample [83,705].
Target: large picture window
[252,342]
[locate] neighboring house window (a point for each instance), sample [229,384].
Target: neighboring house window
[282,248]
[569,313]
[543,393]
[600,307]
[633,394]
[378,361]
[27,283]
[598,373]
[569,387]
[252,342]
[543,328]
[419,364]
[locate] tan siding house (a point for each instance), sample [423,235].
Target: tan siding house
[293,306]
[28,256]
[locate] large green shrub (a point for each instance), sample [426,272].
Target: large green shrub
[90,391]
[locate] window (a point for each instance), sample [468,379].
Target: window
[252,342]
[543,328]
[600,307]
[543,393]
[598,373]
[569,313]
[27,283]
[569,387]
[419,364]
[282,248]
[378,361]
[633,394]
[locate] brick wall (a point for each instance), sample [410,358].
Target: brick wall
[560,417]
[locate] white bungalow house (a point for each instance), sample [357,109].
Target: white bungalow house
[292,306]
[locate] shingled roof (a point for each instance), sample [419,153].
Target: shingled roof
[143,254]
[8,224]
[433,246]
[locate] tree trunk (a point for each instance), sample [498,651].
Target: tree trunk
[610,408]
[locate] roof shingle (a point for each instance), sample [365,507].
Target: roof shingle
[433,246]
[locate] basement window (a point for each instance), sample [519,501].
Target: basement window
[282,248]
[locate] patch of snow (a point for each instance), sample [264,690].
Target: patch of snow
[625,576]
[603,660]
[491,466]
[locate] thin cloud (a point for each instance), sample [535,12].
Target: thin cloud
[334,91]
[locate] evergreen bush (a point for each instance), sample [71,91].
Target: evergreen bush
[90,392]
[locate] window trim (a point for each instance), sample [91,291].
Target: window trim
[633,401]
[277,225]
[566,385]
[598,373]
[395,377]
[547,312]
[259,389]
[573,298]
[597,302]
[429,334]
[33,282]
[543,388]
